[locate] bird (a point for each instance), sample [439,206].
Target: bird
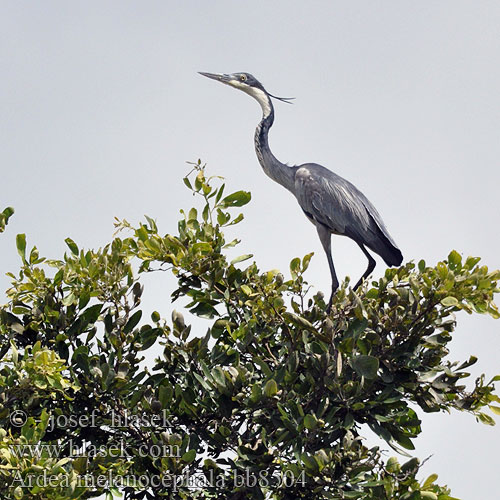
[330,202]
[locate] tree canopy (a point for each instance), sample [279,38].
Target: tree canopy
[271,400]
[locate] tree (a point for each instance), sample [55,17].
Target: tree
[268,403]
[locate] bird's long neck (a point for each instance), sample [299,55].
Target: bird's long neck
[276,170]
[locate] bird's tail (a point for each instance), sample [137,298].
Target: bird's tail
[380,241]
[394,256]
[388,251]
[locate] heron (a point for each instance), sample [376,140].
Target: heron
[330,202]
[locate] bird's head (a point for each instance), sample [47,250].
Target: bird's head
[249,84]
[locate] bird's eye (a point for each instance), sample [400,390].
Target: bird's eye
[243,78]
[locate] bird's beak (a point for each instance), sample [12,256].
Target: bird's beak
[220,77]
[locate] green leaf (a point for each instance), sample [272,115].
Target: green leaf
[4,218]
[15,353]
[471,262]
[202,247]
[256,393]
[132,322]
[429,495]
[223,218]
[165,393]
[204,310]
[72,246]
[348,421]
[405,441]
[8,212]
[241,258]
[149,337]
[189,456]
[232,243]
[219,194]
[430,480]
[21,246]
[305,261]
[365,366]
[393,465]
[454,258]
[356,327]
[90,315]
[199,180]
[472,360]
[485,419]
[271,388]
[142,233]
[69,299]
[310,463]
[449,301]
[202,382]
[237,199]
[219,377]
[295,265]
[263,366]
[412,465]
[193,214]
[236,220]
[353,494]
[152,224]
[494,409]
[310,422]
[299,321]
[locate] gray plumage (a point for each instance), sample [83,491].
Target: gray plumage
[331,203]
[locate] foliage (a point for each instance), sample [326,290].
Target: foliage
[4,218]
[269,403]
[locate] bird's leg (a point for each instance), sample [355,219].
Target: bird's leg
[369,269]
[326,240]
[335,282]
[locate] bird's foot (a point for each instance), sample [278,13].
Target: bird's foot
[358,284]
[329,306]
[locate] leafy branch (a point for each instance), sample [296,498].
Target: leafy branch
[268,390]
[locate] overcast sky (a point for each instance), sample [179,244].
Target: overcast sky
[101,106]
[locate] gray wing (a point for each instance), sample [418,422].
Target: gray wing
[334,202]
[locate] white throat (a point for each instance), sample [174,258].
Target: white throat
[259,95]
[262,98]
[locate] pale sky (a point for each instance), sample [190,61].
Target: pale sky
[101,106]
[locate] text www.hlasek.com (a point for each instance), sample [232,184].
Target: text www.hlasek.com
[87,450]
